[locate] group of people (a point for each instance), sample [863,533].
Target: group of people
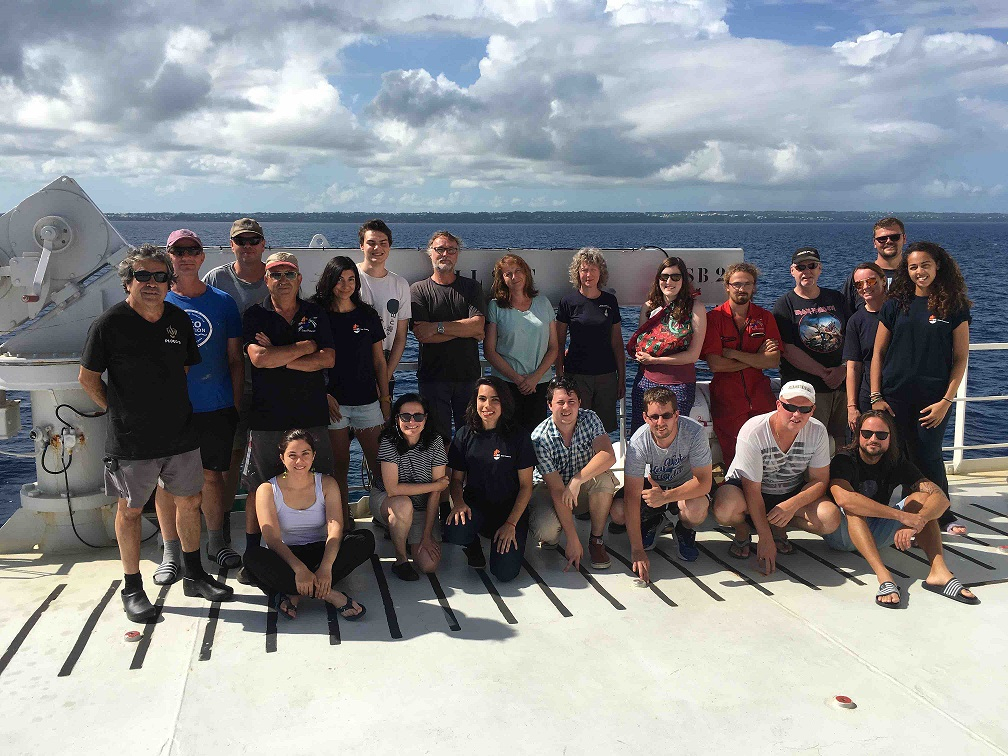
[235,375]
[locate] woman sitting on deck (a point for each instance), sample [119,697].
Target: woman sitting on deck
[495,459]
[302,524]
[413,465]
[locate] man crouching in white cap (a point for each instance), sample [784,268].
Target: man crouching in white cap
[778,479]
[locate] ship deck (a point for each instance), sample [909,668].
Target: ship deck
[712,658]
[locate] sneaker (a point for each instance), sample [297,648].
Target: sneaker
[688,552]
[650,534]
[474,554]
[616,529]
[599,556]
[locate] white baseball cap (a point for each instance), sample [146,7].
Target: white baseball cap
[795,389]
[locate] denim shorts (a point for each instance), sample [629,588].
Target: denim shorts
[359,416]
[883,530]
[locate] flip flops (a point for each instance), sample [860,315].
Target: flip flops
[285,607]
[886,589]
[735,551]
[953,589]
[784,546]
[348,606]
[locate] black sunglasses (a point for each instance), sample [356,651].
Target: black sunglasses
[885,238]
[663,277]
[662,416]
[143,276]
[806,266]
[247,241]
[276,275]
[795,407]
[416,417]
[881,435]
[186,251]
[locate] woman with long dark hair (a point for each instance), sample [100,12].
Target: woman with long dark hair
[357,383]
[413,475]
[306,550]
[921,349]
[667,352]
[521,339]
[491,459]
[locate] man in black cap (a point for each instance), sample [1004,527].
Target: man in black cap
[811,321]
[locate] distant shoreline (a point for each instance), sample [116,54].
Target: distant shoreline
[549,216]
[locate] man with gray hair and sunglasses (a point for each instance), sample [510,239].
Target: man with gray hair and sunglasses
[147,346]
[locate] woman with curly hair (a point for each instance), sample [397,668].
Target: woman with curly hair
[668,352]
[595,359]
[921,349]
[521,340]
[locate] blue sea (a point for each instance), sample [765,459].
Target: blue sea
[976,246]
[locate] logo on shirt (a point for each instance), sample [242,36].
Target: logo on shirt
[497,455]
[359,329]
[171,336]
[821,332]
[202,326]
[869,488]
[935,319]
[307,325]
[605,310]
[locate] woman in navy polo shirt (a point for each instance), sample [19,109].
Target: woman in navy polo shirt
[494,460]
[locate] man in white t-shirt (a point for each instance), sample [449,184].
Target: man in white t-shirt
[387,292]
[778,478]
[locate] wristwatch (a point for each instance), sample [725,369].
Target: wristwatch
[440,328]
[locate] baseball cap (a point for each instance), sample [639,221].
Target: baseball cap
[246,226]
[183,233]
[280,259]
[795,389]
[804,254]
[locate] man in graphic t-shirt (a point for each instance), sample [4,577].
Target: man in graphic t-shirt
[888,236]
[812,321]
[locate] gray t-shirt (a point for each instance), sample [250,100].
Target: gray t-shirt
[244,293]
[758,457]
[673,466]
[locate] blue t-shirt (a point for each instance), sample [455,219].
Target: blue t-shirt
[522,337]
[215,319]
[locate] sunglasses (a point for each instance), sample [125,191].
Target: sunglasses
[143,276]
[886,238]
[662,416]
[880,435]
[416,417]
[800,267]
[247,241]
[865,284]
[666,277]
[276,275]
[185,251]
[796,408]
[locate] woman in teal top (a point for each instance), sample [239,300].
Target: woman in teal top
[521,339]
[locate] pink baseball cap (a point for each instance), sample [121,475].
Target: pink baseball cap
[183,233]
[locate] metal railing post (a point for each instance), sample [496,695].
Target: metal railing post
[959,434]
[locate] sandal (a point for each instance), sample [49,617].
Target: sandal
[285,607]
[784,546]
[953,589]
[348,606]
[741,549]
[405,571]
[887,589]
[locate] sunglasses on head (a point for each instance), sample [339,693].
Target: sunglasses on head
[247,241]
[880,435]
[143,276]
[663,416]
[276,275]
[795,407]
[865,284]
[886,238]
[185,251]
[416,417]
[665,277]
[806,266]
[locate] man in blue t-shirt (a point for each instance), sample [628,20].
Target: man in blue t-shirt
[215,389]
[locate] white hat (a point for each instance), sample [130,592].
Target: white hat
[794,389]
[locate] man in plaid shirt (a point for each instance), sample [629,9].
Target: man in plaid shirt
[574,456]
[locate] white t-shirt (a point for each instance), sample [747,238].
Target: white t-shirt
[758,457]
[390,296]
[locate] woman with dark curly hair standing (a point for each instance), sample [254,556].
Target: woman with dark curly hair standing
[921,349]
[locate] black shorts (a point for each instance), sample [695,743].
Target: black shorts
[262,458]
[770,500]
[216,432]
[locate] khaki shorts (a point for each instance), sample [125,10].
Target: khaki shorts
[543,520]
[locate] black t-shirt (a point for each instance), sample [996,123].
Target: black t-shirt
[876,481]
[816,326]
[354,333]
[590,323]
[283,398]
[455,359]
[919,357]
[853,297]
[150,415]
[859,345]
[491,461]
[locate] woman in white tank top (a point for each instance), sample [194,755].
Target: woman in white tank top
[306,550]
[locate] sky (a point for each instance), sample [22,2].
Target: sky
[452,105]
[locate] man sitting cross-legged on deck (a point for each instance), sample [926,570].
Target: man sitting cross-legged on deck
[676,450]
[863,477]
[573,460]
[778,478]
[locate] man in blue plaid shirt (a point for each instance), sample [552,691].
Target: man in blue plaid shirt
[573,460]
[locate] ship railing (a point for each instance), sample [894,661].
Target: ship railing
[960,463]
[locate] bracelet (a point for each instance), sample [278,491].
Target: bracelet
[948,400]
[875,396]
[852,405]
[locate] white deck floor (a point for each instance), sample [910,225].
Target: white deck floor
[713,661]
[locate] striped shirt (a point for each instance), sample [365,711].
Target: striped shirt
[553,455]
[416,465]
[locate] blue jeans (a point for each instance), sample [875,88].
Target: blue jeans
[504,567]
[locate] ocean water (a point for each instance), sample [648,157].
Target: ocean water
[976,246]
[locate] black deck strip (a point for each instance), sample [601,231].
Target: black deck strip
[85,633]
[211,628]
[28,625]
[654,589]
[272,614]
[915,557]
[748,580]
[700,584]
[453,624]
[985,509]
[790,573]
[967,557]
[975,540]
[981,523]
[492,590]
[602,591]
[386,597]
[1000,581]
[145,640]
[827,563]
[564,611]
[332,617]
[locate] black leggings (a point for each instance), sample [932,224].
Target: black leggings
[273,575]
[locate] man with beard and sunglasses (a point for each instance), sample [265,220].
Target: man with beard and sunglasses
[888,236]
[863,477]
